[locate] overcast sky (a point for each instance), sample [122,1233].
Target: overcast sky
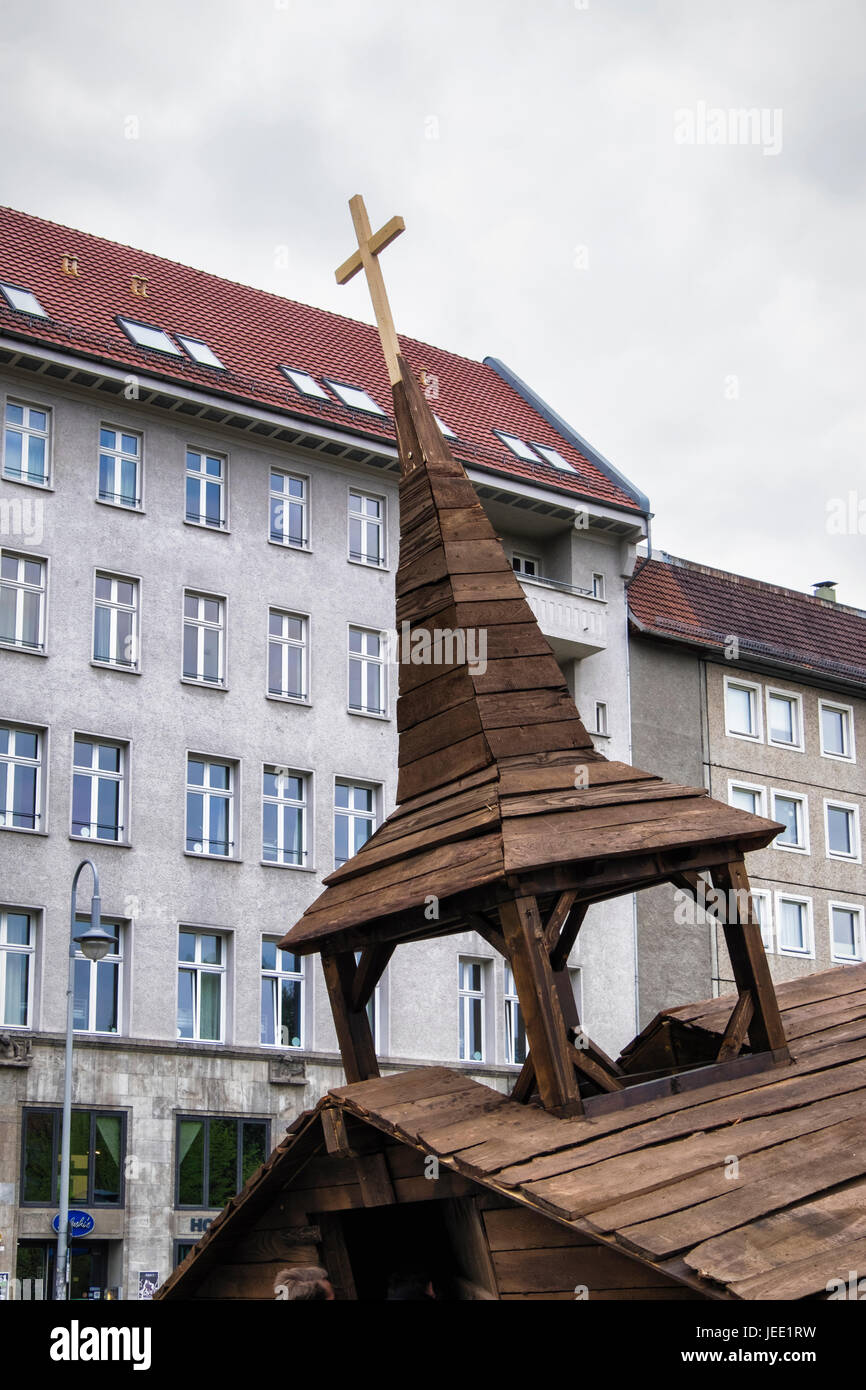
[695,309]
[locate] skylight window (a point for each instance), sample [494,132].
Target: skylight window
[517,447]
[445,429]
[23,301]
[555,457]
[354,397]
[200,352]
[306,384]
[144,336]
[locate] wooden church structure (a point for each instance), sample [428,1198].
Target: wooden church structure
[593,1173]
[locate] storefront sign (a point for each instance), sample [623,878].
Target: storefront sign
[81,1223]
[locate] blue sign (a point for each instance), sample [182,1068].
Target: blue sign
[81,1223]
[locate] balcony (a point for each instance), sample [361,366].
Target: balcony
[572,620]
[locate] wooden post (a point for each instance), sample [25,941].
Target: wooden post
[749,959]
[542,1012]
[353,1026]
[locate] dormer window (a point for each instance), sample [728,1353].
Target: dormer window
[144,335]
[200,352]
[305,383]
[22,301]
[354,397]
[517,446]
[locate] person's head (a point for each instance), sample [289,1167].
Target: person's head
[303,1283]
[409,1284]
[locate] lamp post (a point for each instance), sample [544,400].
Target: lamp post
[95,943]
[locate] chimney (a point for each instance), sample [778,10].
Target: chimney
[825,588]
[139,286]
[69,264]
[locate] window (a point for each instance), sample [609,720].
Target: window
[120,467]
[517,447]
[287,655]
[96,1158]
[354,397]
[555,457]
[375,1010]
[764,914]
[200,994]
[98,790]
[601,725]
[215,1157]
[471,1009]
[205,489]
[598,586]
[20,778]
[200,352]
[209,807]
[746,797]
[837,730]
[306,384]
[288,510]
[527,565]
[791,810]
[445,430]
[115,621]
[354,818]
[846,932]
[794,918]
[366,531]
[284,816]
[515,1033]
[17,949]
[96,1006]
[22,301]
[742,709]
[366,671]
[784,720]
[282,996]
[143,335]
[26,443]
[842,828]
[22,601]
[203,638]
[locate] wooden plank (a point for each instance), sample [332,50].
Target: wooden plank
[374,1180]
[263,1247]
[582,798]
[244,1281]
[470,755]
[557,918]
[520,1228]
[334,1130]
[562,949]
[355,1039]
[804,1277]
[522,775]
[517,674]
[749,959]
[436,794]
[502,711]
[399,850]
[538,737]
[738,1023]
[481,555]
[446,688]
[368,973]
[468,1241]
[561,1268]
[439,731]
[335,1258]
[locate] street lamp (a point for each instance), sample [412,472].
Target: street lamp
[95,943]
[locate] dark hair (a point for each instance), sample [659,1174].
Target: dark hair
[407,1284]
[304,1283]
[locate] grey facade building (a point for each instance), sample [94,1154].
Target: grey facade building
[758,693]
[198,537]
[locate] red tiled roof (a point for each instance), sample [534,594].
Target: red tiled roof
[253,332]
[681,601]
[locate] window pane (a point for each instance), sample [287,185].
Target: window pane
[839,830]
[209,1024]
[108,810]
[295,672]
[219,825]
[211,670]
[107,973]
[844,932]
[30,604]
[190,1187]
[833,731]
[14,452]
[745,799]
[782,722]
[222,1161]
[81,996]
[740,710]
[102,635]
[793,926]
[290,1023]
[24,802]
[79,1156]
[254,1148]
[355,671]
[269,838]
[107,1159]
[195,822]
[211,950]
[269,955]
[786,811]
[16,992]
[39,1157]
[267,1028]
[185,1019]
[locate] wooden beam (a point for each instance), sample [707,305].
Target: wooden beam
[334,1130]
[588,1067]
[369,971]
[738,1023]
[558,917]
[353,1026]
[335,1257]
[491,934]
[374,1180]
[539,1000]
[525,1083]
[749,959]
[561,949]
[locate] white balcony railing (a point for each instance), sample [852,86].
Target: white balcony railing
[572,620]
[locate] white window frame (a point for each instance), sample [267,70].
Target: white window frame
[377,523]
[119,455]
[856,855]
[97,774]
[809,952]
[365,661]
[129,327]
[602,722]
[204,625]
[22,586]
[14,759]
[764,896]
[354,397]
[281,801]
[207,792]
[848,711]
[349,812]
[28,432]
[7,949]
[796,700]
[297,976]
[204,478]
[114,606]
[598,586]
[757,705]
[513,1014]
[286,501]
[776,792]
[519,560]
[301,644]
[198,968]
[109,923]
[736,783]
[464,998]
[859,935]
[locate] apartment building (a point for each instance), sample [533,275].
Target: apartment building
[198,538]
[758,693]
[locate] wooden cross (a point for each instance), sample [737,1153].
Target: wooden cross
[366,259]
